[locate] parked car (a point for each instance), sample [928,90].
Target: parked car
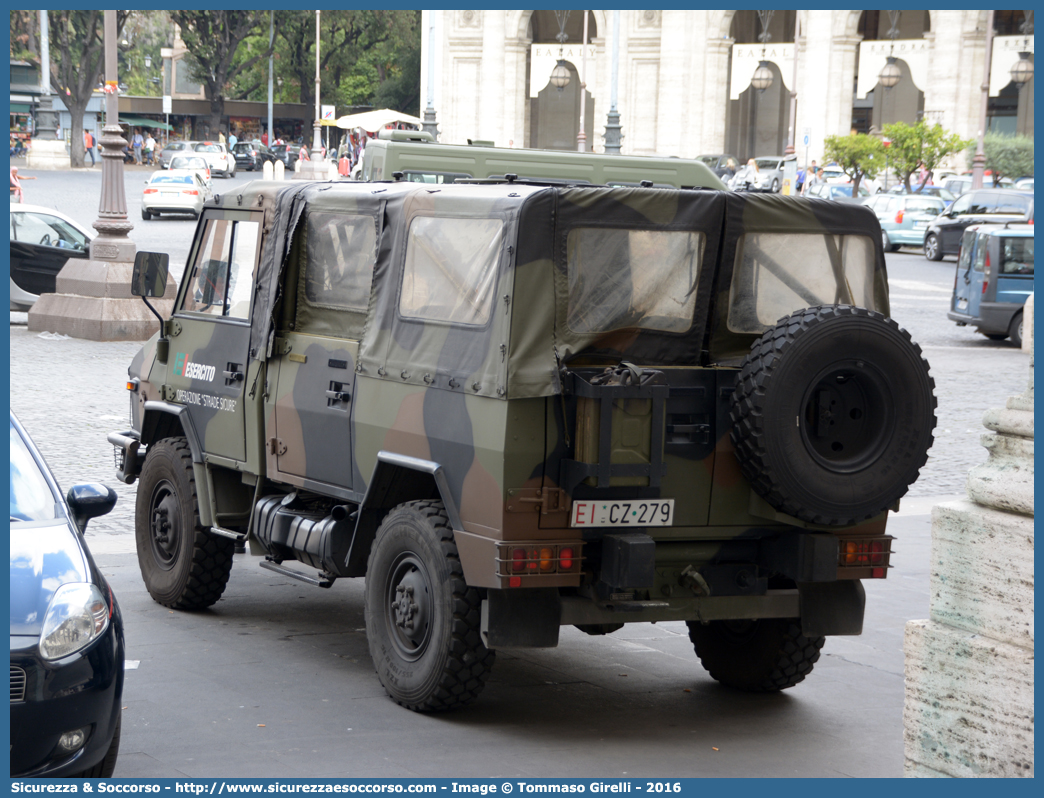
[839,192]
[42,242]
[1024,184]
[928,191]
[287,153]
[67,649]
[994,276]
[219,159]
[959,184]
[252,155]
[170,150]
[719,164]
[175,191]
[904,217]
[770,172]
[943,236]
[192,163]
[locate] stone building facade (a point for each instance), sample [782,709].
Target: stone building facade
[684,85]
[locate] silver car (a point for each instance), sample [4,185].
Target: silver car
[767,177]
[219,159]
[174,191]
[172,149]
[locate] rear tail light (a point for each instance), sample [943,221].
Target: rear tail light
[536,560]
[899,217]
[565,558]
[864,557]
[191,191]
[986,273]
[518,560]
[151,190]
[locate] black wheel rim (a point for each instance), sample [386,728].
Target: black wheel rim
[165,528]
[409,604]
[847,416]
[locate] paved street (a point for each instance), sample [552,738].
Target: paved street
[276,679]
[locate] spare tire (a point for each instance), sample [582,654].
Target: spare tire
[833,414]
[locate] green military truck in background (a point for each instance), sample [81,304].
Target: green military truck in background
[513,407]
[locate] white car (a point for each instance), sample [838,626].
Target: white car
[191,163]
[174,191]
[219,159]
[42,242]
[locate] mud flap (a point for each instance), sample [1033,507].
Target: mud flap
[831,608]
[521,618]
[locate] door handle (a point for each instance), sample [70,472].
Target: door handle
[233,376]
[339,396]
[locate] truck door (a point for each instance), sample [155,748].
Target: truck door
[211,330]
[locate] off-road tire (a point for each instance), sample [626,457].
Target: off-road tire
[833,414]
[762,656]
[438,661]
[184,567]
[1015,329]
[107,766]
[933,247]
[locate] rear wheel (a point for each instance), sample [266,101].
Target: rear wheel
[183,566]
[886,242]
[932,247]
[761,656]
[146,215]
[422,619]
[1015,329]
[996,336]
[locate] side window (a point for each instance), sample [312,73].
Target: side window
[982,202]
[964,258]
[50,231]
[341,251]
[451,269]
[961,205]
[222,277]
[1017,256]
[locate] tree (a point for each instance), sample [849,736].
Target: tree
[858,155]
[212,38]
[78,53]
[1006,156]
[913,145]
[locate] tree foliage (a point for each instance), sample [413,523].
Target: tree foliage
[858,155]
[1006,156]
[914,145]
[212,39]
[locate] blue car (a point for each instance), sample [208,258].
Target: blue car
[904,217]
[67,650]
[994,277]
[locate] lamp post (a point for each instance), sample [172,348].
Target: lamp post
[430,125]
[315,167]
[762,77]
[581,136]
[792,132]
[613,135]
[979,161]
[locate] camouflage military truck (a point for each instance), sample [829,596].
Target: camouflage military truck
[518,407]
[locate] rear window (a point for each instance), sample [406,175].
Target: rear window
[924,205]
[778,273]
[632,278]
[451,269]
[767,163]
[171,179]
[342,250]
[242,148]
[208,148]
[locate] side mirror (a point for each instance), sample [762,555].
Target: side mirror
[149,278]
[88,501]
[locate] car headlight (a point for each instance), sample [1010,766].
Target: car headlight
[78,613]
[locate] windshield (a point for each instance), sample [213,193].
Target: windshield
[846,191]
[31,497]
[767,163]
[632,278]
[208,148]
[188,163]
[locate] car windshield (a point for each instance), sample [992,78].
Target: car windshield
[924,205]
[208,148]
[165,178]
[846,191]
[242,147]
[767,163]
[279,148]
[188,163]
[31,497]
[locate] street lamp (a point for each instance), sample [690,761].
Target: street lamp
[1022,72]
[891,74]
[762,77]
[560,75]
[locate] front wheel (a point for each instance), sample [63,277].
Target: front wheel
[932,247]
[183,566]
[775,186]
[762,656]
[422,619]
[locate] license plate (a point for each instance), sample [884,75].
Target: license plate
[170,194]
[962,303]
[636,513]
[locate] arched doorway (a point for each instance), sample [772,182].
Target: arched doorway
[875,105]
[1010,107]
[554,112]
[756,122]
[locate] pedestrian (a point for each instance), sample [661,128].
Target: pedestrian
[88,145]
[232,141]
[264,138]
[747,177]
[302,155]
[811,177]
[16,186]
[150,148]
[138,143]
[730,170]
[221,136]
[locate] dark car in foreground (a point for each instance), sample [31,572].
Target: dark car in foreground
[67,649]
[287,153]
[42,242]
[993,279]
[981,206]
[252,155]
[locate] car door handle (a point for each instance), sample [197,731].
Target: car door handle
[339,396]
[235,376]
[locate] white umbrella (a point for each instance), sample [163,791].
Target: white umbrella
[375,120]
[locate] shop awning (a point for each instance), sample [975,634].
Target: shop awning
[138,121]
[375,120]
[20,108]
